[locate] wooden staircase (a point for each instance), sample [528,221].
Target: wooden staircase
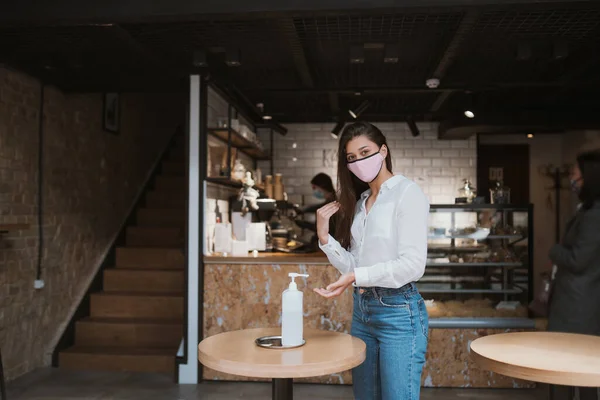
[136,322]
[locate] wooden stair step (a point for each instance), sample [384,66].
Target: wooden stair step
[128,332]
[140,236]
[160,258]
[173,168]
[166,199]
[137,305]
[170,182]
[133,359]
[144,280]
[156,217]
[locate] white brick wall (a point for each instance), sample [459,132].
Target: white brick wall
[438,166]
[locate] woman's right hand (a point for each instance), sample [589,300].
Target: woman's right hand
[324,214]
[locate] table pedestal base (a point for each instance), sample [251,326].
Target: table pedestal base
[283,389]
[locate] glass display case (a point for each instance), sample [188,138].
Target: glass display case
[479,262]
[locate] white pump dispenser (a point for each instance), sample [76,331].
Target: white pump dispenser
[291,316]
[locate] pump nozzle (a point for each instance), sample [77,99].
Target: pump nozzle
[294,275]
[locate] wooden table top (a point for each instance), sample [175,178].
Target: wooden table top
[547,357]
[325,352]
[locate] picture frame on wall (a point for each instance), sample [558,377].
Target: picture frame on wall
[111,119]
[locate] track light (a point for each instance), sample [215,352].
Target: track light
[357,54]
[469,109]
[232,57]
[413,127]
[392,54]
[335,132]
[359,110]
[199,59]
[261,108]
[530,136]
[561,50]
[523,51]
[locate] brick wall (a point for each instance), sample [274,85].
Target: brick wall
[91,178]
[438,166]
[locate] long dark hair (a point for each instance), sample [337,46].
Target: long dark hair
[589,164]
[350,187]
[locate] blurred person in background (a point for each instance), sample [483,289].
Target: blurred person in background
[575,301]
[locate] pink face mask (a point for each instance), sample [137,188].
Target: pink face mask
[366,169]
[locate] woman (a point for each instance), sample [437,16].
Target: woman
[322,187]
[381,249]
[575,304]
[323,190]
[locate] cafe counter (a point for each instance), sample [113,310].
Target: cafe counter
[245,292]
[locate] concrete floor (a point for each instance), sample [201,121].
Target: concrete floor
[55,384]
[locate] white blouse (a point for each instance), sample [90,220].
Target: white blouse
[389,243]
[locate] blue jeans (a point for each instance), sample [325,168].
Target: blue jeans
[394,325]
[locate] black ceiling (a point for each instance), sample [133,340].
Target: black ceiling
[298,65]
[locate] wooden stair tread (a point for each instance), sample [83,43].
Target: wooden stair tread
[133,321]
[129,351]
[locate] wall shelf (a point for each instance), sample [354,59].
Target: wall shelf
[478,207]
[470,291]
[240,143]
[481,264]
[224,181]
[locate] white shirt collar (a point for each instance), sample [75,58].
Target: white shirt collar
[387,185]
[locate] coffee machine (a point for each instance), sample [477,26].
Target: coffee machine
[280,226]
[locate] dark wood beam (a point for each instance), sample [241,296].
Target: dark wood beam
[117,11]
[452,50]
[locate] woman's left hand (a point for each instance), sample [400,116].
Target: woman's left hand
[338,287]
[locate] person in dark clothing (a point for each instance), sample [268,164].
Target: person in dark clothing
[323,189]
[575,303]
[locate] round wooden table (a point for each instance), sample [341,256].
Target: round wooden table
[546,357]
[325,352]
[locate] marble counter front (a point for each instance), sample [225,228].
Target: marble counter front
[241,295]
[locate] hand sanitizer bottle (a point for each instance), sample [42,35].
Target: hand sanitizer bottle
[291,315]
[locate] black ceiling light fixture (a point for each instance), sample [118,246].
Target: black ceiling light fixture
[391,54]
[524,51]
[357,54]
[199,59]
[261,108]
[232,57]
[469,111]
[560,50]
[413,127]
[335,132]
[360,109]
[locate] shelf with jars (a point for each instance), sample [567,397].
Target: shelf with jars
[233,147]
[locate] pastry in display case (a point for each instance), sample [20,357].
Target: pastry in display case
[479,261]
